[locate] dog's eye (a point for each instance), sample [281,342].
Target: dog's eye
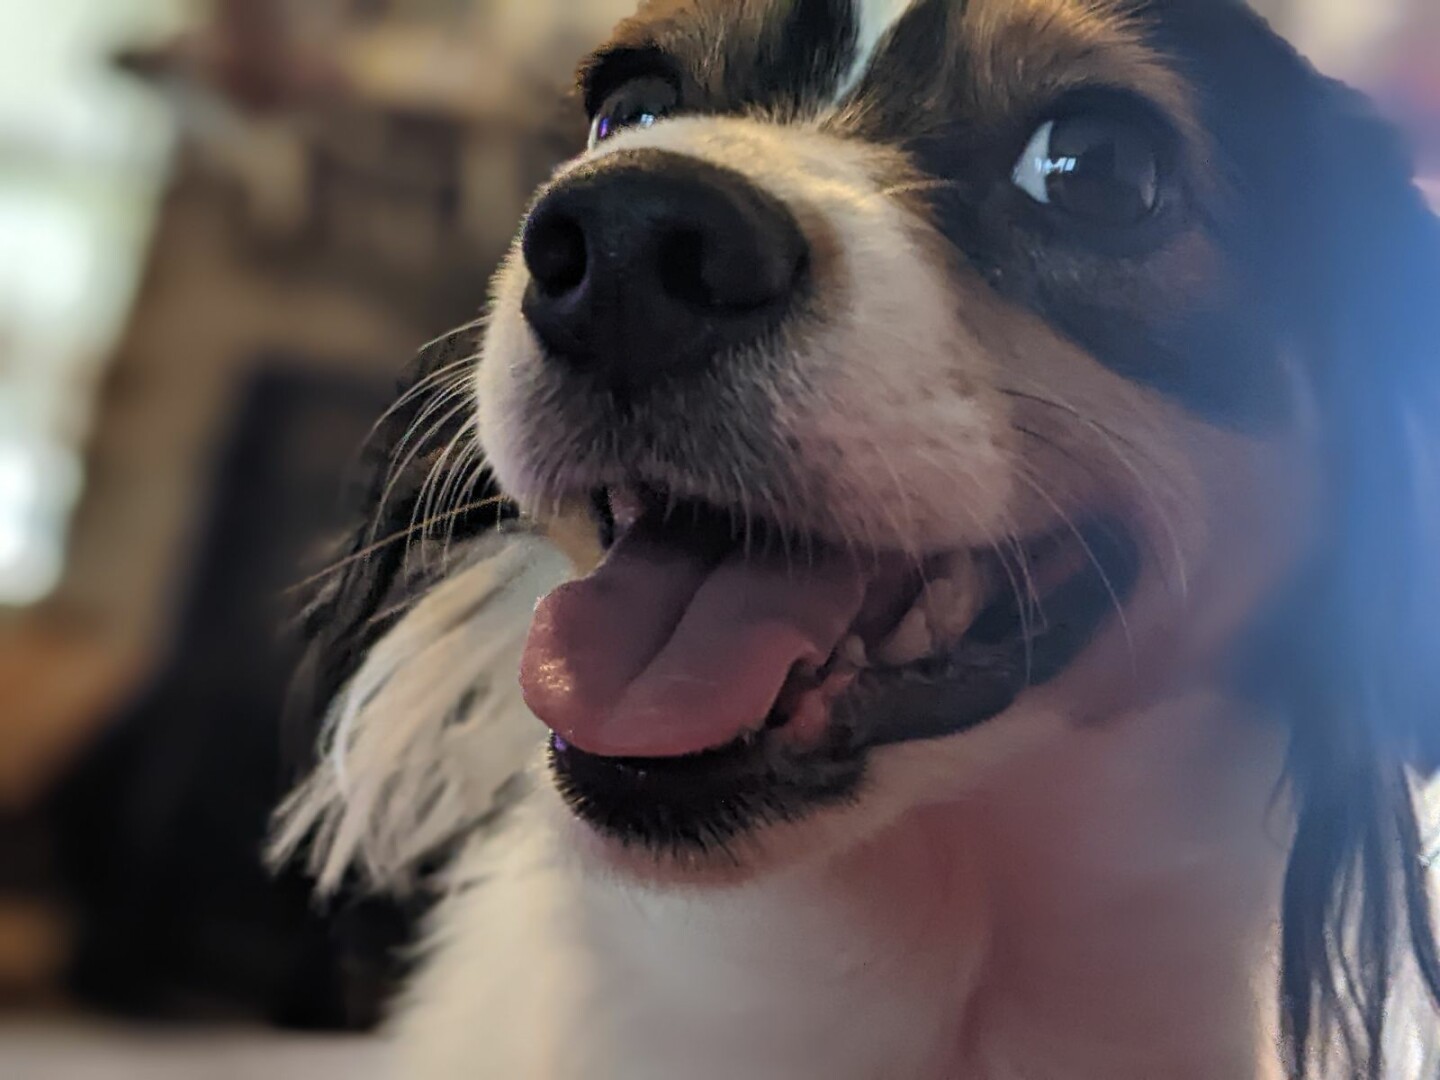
[1094,167]
[638,103]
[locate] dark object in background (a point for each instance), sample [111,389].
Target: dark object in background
[162,825]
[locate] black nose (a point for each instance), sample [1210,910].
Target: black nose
[648,265]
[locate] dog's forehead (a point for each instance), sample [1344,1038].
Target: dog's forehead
[915,55]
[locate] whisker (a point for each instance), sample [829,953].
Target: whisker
[1034,485]
[1016,543]
[443,502]
[431,493]
[444,383]
[451,371]
[383,543]
[1074,413]
[442,397]
[473,324]
[1014,577]
[747,523]
[1114,442]
[910,187]
[905,536]
[460,470]
[398,470]
[466,495]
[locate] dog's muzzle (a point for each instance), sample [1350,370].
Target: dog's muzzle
[732,662]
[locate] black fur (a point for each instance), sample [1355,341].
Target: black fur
[794,57]
[807,54]
[1349,255]
[1364,702]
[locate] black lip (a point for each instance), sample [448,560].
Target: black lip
[700,803]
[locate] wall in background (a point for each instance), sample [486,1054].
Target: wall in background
[82,162]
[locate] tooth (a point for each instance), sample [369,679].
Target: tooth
[953,601]
[853,651]
[911,641]
[626,507]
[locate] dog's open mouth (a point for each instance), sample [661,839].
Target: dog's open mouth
[712,663]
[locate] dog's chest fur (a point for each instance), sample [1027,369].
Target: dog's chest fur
[549,975]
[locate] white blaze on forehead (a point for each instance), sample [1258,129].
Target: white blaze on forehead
[874,19]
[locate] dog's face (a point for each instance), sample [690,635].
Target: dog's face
[933,372]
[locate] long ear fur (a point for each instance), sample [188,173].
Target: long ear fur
[1363,654]
[430,737]
[383,687]
[387,558]
[410,636]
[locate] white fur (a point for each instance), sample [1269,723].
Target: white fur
[876,18]
[421,744]
[544,973]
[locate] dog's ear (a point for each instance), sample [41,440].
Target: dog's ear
[1357,270]
[382,563]
[398,736]
[1368,257]
[390,720]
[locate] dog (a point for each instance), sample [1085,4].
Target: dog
[971,465]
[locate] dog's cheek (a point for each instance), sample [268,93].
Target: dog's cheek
[898,404]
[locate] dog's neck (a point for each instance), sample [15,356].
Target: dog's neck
[1106,910]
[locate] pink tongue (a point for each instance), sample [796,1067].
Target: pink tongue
[660,653]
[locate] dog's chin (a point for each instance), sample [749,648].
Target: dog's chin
[793,789]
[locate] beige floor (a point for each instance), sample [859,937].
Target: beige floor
[66,1052]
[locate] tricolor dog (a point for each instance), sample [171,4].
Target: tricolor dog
[971,538]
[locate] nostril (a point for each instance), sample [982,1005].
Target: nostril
[680,262]
[736,270]
[556,253]
[739,254]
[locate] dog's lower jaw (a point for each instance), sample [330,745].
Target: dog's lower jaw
[1104,911]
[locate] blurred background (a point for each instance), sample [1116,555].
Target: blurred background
[225,228]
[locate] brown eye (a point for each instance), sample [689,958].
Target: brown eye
[638,103]
[1094,167]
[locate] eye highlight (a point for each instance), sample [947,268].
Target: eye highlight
[639,103]
[1094,167]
